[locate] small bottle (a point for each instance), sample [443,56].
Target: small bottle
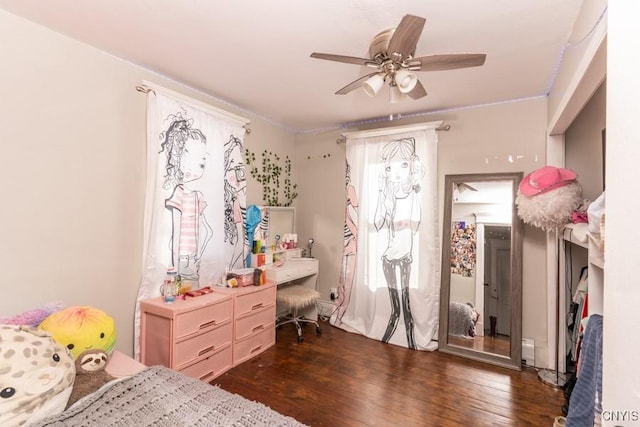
[169,289]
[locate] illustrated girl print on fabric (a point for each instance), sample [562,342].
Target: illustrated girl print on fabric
[398,209]
[235,210]
[186,153]
[350,246]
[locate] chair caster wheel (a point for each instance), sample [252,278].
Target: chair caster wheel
[318,331]
[300,339]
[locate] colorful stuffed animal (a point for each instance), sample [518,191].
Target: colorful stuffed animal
[82,328]
[90,374]
[36,375]
[31,317]
[90,335]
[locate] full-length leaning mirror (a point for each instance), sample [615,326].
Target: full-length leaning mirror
[481,290]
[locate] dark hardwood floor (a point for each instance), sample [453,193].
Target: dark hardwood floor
[343,379]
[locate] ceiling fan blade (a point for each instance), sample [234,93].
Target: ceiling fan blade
[342,58]
[418,91]
[354,84]
[447,61]
[405,37]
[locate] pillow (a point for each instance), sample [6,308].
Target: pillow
[36,375]
[31,317]
[81,328]
[462,319]
[90,336]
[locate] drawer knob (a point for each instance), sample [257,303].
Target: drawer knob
[257,328]
[257,306]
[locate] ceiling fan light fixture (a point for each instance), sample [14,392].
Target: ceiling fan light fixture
[373,84]
[395,96]
[405,80]
[393,53]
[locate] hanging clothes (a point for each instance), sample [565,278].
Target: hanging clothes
[585,406]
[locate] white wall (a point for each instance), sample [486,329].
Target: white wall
[275,139]
[481,140]
[583,145]
[73,156]
[621,377]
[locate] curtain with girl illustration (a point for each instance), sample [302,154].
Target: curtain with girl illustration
[389,284]
[195,202]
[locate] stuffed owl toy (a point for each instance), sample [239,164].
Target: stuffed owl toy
[36,375]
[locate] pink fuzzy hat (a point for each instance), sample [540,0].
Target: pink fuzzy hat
[544,179]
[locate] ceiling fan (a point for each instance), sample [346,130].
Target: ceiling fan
[392,54]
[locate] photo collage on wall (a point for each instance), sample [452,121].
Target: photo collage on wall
[463,248]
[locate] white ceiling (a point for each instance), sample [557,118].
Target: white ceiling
[254,54]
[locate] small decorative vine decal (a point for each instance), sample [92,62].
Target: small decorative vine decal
[271,175]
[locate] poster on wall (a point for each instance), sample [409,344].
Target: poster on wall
[463,249]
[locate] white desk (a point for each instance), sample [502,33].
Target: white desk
[300,271]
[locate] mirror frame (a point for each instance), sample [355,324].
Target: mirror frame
[282,220]
[514,360]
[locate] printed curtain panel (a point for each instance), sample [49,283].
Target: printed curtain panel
[195,202]
[389,285]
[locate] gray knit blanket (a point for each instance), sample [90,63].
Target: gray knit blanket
[158,396]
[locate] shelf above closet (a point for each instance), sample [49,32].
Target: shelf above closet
[576,234]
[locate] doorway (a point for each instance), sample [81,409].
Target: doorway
[497,245]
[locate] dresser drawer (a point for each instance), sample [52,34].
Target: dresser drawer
[255,301]
[211,367]
[256,322]
[292,270]
[202,318]
[202,345]
[246,349]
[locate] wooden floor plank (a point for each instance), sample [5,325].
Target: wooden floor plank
[343,379]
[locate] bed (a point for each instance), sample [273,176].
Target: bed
[462,320]
[43,384]
[144,396]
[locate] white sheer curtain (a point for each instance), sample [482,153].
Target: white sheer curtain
[389,285]
[195,202]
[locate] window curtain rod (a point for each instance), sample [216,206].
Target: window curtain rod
[437,125]
[146,87]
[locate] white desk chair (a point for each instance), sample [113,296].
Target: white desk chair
[297,298]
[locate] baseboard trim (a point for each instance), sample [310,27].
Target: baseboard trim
[325,308]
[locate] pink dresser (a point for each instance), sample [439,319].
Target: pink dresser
[194,336]
[205,336]
[254,309]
